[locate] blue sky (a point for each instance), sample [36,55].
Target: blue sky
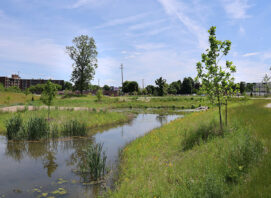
[152,38]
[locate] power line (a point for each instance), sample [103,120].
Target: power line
[121,67]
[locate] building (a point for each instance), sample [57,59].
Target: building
[23,84]
[261,89]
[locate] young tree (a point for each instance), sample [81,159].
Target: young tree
[48,95]
[84,55]
[99,95]
[266,81]
[161,86]
[215,79]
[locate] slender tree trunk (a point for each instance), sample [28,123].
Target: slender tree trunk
[220,117]
[48,112]
[226,111]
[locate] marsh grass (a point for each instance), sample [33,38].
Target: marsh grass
[13,127]
[36,128]
[95,164]
[74,128]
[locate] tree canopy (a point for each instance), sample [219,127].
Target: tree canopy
[84,55]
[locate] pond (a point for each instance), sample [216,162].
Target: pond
[48,168]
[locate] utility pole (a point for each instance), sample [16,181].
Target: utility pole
[99,82]
[121,67]
[142,83]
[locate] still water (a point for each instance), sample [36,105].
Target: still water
[48,168]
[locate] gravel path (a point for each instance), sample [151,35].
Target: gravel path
[32,108]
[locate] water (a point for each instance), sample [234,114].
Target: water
[28,169]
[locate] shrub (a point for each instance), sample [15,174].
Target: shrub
[13,126]
[36,128]
[95,161]
[74,128]
[193,106]
[201,134]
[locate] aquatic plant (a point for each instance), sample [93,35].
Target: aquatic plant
[95,161]
[36,128]
[74,128]
[13,126]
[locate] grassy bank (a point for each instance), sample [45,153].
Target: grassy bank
[12,98]
[157,165]
[92,119]
[182,102]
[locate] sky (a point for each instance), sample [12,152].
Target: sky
[151,38]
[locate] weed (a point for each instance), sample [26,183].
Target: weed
[36,128]
[74,128]
[13,126]
[95,161]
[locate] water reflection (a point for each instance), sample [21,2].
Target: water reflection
[25,165]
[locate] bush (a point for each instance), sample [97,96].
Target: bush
[74,128]
[36,128]
[201,134]
[95,162]
[13,126]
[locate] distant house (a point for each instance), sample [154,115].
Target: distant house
[260,89]
[23,84]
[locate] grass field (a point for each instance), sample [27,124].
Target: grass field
[11,98]
[92,119]
[233,165]
[182,102]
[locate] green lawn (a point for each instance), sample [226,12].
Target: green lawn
[234,165]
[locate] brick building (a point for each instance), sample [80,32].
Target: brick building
[23,84]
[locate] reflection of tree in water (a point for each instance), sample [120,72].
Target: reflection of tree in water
[36,150]
[46,152]
[79,145]
[161,119]
[49,163]
[16,150]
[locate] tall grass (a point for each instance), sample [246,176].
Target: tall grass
[74,128]
[157,165]
[36,128]
[95,162]
[14,126]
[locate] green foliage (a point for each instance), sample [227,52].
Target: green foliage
[106,88]
[49,94]
[84,55]
[161,86]
[200,135]
[36,128]
[13,89]
[187,86]
[96,161]
[150,89]
[13,126]
[217,81]
[130,87]
[37,88]
[67,86]
[175,87]
[74,128]
[99,95]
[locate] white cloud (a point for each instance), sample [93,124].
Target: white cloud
[121,21]
[251,54]
[177,9]
[81,3]
[149,46]
[146,24]
[242,30]
[236,9]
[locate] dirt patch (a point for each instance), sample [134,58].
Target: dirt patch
[268,105]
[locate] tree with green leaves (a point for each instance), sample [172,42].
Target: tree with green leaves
[161,86]
[216,79]
[187,85]
[130,87]
[84,55]
[99,95]
[48,95]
